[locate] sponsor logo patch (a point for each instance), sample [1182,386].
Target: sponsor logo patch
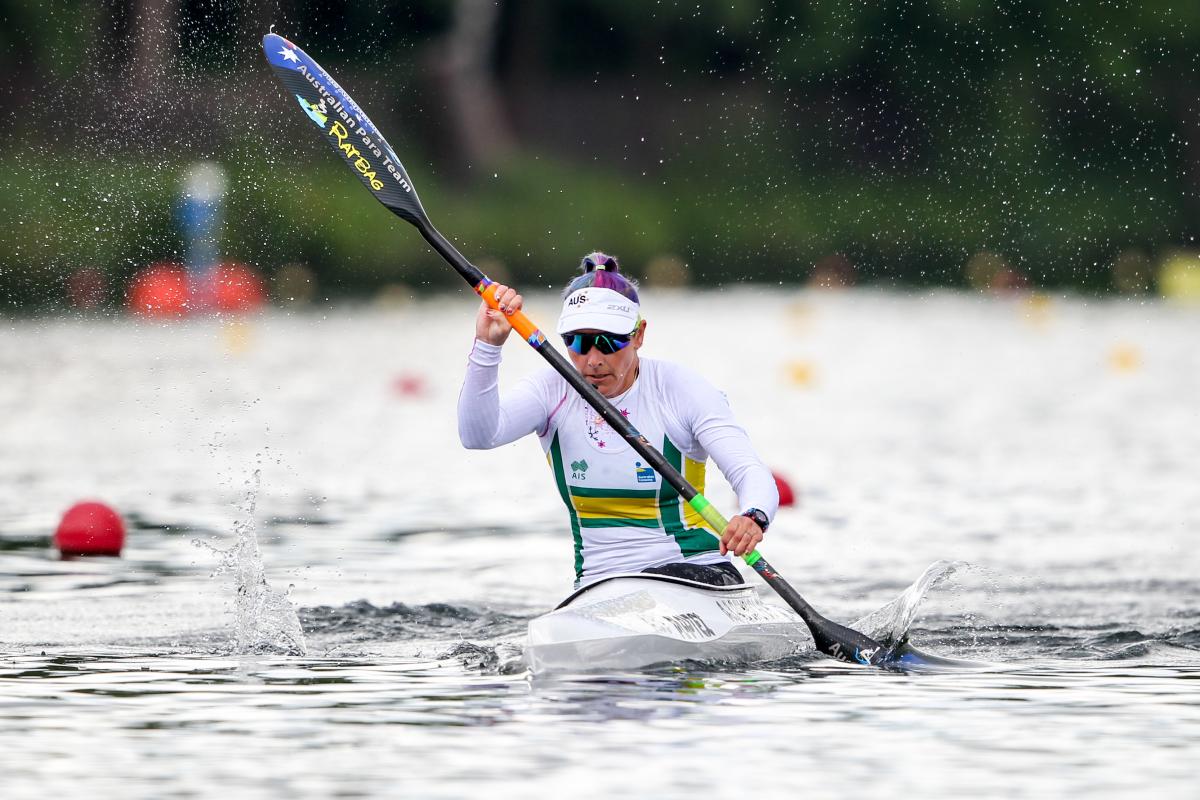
[317,113]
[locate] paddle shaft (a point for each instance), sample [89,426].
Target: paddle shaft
[360,145]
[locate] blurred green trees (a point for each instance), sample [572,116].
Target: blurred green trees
[752,139]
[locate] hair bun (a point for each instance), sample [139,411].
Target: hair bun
[599,261]
[602,271]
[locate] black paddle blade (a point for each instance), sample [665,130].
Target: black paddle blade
[832,639]
[345,127]
[846,644]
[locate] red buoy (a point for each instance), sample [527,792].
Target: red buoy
[409,384]
[238,288]
[160,290]
[787,497]
[90,528]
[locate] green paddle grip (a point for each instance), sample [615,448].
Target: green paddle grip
[709,513]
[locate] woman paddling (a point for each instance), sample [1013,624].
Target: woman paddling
[624,517]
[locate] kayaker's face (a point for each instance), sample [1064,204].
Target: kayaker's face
[612,374]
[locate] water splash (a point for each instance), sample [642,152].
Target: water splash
[265,619]
[502,658]
[889,624]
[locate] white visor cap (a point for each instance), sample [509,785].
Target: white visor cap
[598,309]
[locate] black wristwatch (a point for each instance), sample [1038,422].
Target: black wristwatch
[760,519]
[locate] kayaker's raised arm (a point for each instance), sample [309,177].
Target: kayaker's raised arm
[484,420]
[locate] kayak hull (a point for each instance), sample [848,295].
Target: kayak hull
[638,620]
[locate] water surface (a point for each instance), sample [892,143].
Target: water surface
[1045,447]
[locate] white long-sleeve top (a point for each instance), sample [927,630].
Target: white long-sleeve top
[624,518]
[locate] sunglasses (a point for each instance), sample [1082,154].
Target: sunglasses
[606,343]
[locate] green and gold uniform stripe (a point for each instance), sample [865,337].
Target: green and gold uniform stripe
[608,508]
[653,509]
[556,463]
[687,530]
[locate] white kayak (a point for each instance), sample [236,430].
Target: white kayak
[636,620]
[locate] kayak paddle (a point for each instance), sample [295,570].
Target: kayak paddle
[363,149]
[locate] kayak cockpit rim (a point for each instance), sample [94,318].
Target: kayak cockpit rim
[649,576]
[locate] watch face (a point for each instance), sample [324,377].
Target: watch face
[759,517]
